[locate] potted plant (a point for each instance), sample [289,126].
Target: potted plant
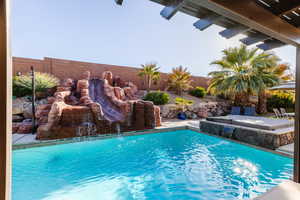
[182,107]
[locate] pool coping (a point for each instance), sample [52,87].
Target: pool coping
[134,133]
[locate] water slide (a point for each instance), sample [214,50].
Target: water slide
[111,111]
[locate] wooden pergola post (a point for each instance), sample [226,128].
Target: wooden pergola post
[297,121]
[5,105]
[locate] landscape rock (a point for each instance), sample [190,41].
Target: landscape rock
[68,83]
[82,84]
[17,118]
[107,75]
[118,82]
[169,111]
[18,105]
[157,115]
[15,127]
[119,93]
[86,75]
[25,128]
[199,110]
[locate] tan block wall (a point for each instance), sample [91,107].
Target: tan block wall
[73,69]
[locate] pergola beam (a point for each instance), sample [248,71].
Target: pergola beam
[280,7]
[207,21]
[296,9]
[170,10]
[249,13]
[254,38]
[233,31]
[270,44]
[119,2]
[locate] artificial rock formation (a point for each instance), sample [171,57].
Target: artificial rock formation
[95,106]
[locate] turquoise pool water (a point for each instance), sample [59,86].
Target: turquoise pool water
[171,165]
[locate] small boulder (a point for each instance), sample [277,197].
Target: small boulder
[25,128]
[17,118]
[107,75]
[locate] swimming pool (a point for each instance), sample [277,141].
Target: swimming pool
[179,165]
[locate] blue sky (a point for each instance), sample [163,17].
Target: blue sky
[130,35]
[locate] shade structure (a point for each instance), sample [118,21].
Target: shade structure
[267,24]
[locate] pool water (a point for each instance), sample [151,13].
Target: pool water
[170,165]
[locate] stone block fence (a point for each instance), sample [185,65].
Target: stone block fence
[64,69]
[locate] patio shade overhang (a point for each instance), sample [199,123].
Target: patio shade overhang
[266,28]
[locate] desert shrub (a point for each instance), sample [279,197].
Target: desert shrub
[281,100]
[22,85]
[198,92]
[158,98]
[183,103]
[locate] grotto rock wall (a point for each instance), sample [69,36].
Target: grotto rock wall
[95,106]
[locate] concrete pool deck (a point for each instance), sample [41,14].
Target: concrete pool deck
[287,190]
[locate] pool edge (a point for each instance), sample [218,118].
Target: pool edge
[134,133]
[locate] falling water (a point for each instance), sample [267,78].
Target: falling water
[118,128]
[87,127]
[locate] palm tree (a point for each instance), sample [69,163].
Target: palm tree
[179,80]
[244,72]
[150,73]
[281,72]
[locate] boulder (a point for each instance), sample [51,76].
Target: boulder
[119,93]
[149,114]
[133,87]
[84,92]
[169,111]
[71,100]
[139,117]
[17,118]
[118,82]
[68,83]
[157,115]
[97,111]
[63,88]
[25,128]
[107,75]
[27,111]
[18,105]
[86,75]
[27,107]
[129,93]
[191,115]
[42,120]
[82,84]
[15,127]
[84,99]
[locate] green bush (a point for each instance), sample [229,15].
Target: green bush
[183,103]
[198,92]
[158,98]
[281,100]
[22,85]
